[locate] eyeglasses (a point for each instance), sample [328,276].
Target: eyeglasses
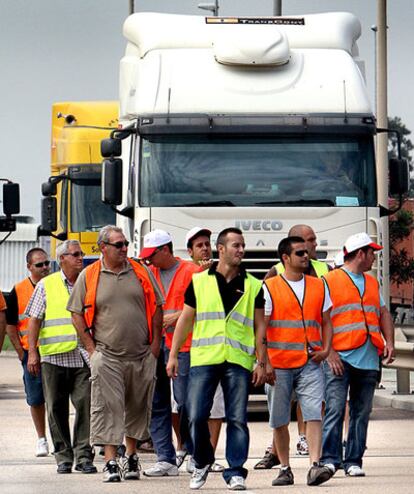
[148,259]
[78,253]
[118,245]
[41,264]
[301,253]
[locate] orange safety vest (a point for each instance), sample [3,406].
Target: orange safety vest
[24,291]
[354,318]
[294,329]
[92,273]
[174,299]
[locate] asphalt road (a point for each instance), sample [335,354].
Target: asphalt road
[389,460]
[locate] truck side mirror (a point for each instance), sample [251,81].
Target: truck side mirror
[112,181]
[11,199]
[49,214]
[399,177]
[49,189]
[111,147]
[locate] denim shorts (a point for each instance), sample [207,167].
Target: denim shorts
[32,385]
[307,382]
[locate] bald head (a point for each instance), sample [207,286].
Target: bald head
[307,233]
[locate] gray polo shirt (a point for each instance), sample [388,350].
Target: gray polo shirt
[120,325]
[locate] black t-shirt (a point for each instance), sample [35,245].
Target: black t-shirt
[230,292]
[12,311]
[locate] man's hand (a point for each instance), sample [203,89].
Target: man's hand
[155,348]
[20,353]
[389,353]
[205,263]
[318,356]
[33,363]
[172,366]
[335,363]
[270,374]
[170,319]
[259,375]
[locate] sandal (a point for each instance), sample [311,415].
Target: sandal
[268,461]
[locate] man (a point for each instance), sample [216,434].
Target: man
[297,309]
[225,306]
[3,308]
[117,314]
[65,372]
[173,276]
[318,269]
[198,246]
[360,322]
[17,324]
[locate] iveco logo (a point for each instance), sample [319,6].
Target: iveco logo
[259,225]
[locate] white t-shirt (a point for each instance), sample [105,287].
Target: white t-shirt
[298,287]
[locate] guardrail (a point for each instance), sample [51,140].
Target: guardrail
[404,358]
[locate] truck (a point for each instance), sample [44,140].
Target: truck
[254,122]
[71,204]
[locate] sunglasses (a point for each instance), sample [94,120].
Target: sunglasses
[118,245]
[301,253]
[41,264]
[75,254]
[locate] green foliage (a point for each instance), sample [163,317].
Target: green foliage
[407,146]
[401,262]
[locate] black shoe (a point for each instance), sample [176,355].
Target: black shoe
[268,461]
[131,467]
[86,467]
[111,472]
[65,467]
[318,474]
[285,477]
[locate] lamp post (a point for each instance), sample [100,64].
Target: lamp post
[277,7]
[212,7]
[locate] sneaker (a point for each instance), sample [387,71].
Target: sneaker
[268,461]
[302,447]
[285,477]
[318,474]
[42,448]
[331,467]
[162,469]
[355,471]
[199,477]
[216,468]
[130,467]
[236,483]
[190,465]
[111,472]
[180,457]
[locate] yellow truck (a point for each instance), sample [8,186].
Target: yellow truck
[72,206]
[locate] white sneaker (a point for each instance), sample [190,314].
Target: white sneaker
[162,469]
[42,448]
[236,483]
[199,477]
[180,457]
[355,471]
[331,467]
[190,465]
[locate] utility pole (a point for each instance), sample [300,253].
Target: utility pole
[212,7]
[277,8]
[131,6]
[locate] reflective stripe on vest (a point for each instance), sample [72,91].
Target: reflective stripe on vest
[354,317]
[320,267]
[174,298]
[218,338]
[24,290]
[293,328]
[57,334]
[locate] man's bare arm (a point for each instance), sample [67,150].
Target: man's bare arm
[13,334]
[33,361]
[182,329]
[157,319]
[2,328]
[83,332]
[388,331]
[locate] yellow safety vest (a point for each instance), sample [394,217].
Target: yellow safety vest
[320,267]
[57,334]
[218,338]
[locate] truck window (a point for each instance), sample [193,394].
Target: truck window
[245,171]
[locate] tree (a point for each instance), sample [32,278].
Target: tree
[401,224]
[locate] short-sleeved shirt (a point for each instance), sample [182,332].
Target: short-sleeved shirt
[230,292]
[120,327]
[366,356]
[37,308]
[2,302]
[12,312]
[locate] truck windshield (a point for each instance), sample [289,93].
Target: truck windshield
[88,212]
[321,170]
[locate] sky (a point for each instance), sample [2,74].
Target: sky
[69,50]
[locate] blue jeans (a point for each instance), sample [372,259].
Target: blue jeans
[161,424]
[201,389]
[361,384]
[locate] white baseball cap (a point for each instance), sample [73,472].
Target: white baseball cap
[339,259]
[152,241]
[358,241]
[195,232]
